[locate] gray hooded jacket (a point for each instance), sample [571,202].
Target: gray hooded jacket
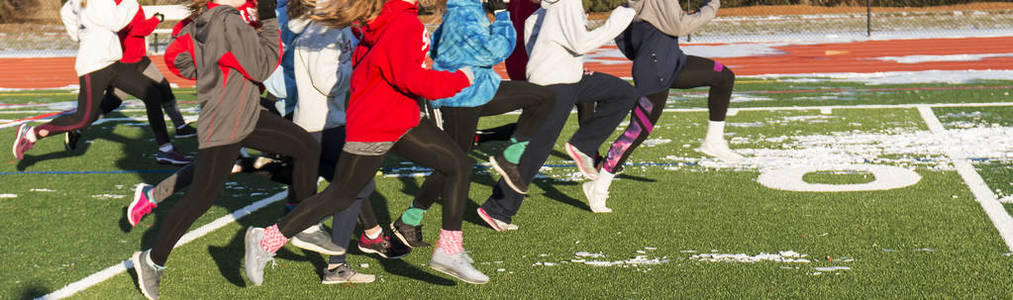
[230,60]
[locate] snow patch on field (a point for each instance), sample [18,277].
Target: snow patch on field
[42,190]
[108,196]
[782,256]
[7,196]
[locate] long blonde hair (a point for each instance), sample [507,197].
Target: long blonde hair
[344,13]
[197,7]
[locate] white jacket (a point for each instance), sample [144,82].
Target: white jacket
[323,66]
[556,38]
[94,27]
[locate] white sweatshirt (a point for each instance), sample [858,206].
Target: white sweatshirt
[94,27]
[323,66]
[556,38]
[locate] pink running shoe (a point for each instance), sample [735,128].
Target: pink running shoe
[142,205]
[21,142]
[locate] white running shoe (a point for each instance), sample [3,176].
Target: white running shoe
[596,197]
[718,148]
[584,163]
[458,265]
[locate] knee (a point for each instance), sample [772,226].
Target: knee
[727,78]
[462,166]
[546,97]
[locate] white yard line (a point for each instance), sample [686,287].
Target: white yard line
[116,269]
[995,211]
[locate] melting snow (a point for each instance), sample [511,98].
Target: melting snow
[783,256]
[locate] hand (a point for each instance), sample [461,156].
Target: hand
[493,6]
[265,10]
[160,17]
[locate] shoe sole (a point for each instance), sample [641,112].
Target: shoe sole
[450,272]
[371,251]
[17,141]
[183,136]
[488,219]
[246,256]
[169,161]
[315,248]
[136,260]
[503,174]
[138,191]
[400,237]
[570,150]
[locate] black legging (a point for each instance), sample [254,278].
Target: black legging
[424,144]
[460,124]
[272,134]
[698,72]
[95,85]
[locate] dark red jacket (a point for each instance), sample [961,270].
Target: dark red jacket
[389,75]
[132,37]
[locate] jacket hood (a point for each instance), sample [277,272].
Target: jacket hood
[391,10]
[463,3]
[201,27]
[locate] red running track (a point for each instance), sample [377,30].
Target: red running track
[857,57]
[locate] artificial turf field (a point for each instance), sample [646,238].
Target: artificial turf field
[684,226]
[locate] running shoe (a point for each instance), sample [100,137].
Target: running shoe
[458,265]
[255,257]
[408,234]
[596,196]
[142,204]
[383,246]
[511,173]
[148,276]
[495,223]
[584,162]
[185,131]
[718,148]
[317,240]
[71,139]
[21,142]
[342,274]
[171,157]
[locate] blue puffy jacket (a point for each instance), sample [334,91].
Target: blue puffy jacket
[467,39]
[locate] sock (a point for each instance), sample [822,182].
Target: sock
[514,152]
[290,206]
[151,263]
[715,131]
[413,216]
[273,239]
[373,236]
[31,135]
[604,179]
[165,147]
[451,241]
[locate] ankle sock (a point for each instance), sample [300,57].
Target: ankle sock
[715,131]
[151,263]
[413,216]
[451,241]
[514,152]
[273,239]
[372,236]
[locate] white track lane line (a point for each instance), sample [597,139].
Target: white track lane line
[116,269]
[995,211]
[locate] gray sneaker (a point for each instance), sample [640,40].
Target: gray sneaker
[148,277]
[343,274]
[458,265]
[256,257]
[317,240]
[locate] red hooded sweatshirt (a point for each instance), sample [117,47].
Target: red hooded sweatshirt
[132,36]
[389,73]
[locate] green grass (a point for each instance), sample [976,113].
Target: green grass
[928,240]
